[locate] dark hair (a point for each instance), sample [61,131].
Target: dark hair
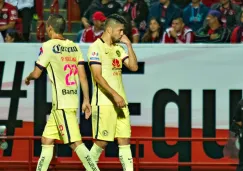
[177,18]
[115,18]
[15,35]
[57,22]
[148,34]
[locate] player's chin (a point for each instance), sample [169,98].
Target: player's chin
[118,40]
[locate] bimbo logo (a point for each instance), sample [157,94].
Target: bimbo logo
[116,63]
[60,49]
[94,53]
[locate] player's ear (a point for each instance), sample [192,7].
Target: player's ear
[109,30]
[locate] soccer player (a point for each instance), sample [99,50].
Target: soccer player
[64,63]
[110,114]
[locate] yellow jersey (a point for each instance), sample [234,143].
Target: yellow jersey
[61,59]
[111,59]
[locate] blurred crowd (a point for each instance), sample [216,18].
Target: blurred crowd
[148,21]
[15,20]
[167,21]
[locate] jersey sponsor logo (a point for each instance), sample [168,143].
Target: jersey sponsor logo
[116,63]
[59,49]
[94,54]
[94,58]
[69,92]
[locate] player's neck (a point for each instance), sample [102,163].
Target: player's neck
[58,36]
[106,39]
[97,29]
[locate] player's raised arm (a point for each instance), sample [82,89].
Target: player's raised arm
[129,61]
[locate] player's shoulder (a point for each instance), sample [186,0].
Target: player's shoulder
[96,44]
[119,46]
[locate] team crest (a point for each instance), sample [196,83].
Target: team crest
[118,53]
[105,133]
[5,16]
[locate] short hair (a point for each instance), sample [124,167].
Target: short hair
[115,19]
[178,18]
[57,22]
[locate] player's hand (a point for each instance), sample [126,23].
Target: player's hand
[27,81]
[86,109]
[86,25]
[214,36]
[173,33]
[120,102]
[125,40]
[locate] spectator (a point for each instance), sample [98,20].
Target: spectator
[154,32]
[178,33]
[230,13]
[166,11]
[108,7]
[25,8]
[237,34]
[13,36]
[138,11]
[93,33]
[194,14]
[8,17]
[130,30]
[214,32]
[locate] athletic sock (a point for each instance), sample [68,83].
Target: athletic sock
[86,158]
[96,152]
[45,158]
[125,156]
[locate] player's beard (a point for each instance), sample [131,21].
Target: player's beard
[114,40]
